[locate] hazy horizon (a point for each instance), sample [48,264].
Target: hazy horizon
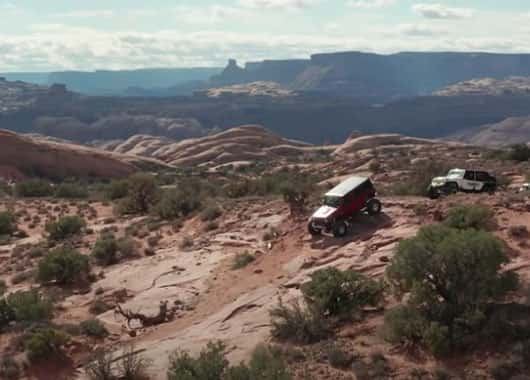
[44,37]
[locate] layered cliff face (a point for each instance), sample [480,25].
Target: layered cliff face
[375,76]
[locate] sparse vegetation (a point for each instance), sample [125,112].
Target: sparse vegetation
[451,275]
[33,188]
[65,227]
[470,216]
[142,194]
[341,294]
[45,343]
[108,250]
[9,368]
[71,191]
[266,363]
[419,179]
[132,365]
[93,328]
[7,223]
[211,213]
[26,306]
[64,266]
[177,203]
[118,189]
[243,259]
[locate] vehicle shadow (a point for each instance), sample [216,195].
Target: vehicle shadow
[361,228]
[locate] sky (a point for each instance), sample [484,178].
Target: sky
[37,35]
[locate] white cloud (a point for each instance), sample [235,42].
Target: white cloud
[208,15]
[440,11]
[369,4]
[276,4]
[420,30]
[97,13]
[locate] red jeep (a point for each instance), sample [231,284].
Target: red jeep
[343,202]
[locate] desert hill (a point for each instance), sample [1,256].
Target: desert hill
[515,130]
[22,156]
[238,145]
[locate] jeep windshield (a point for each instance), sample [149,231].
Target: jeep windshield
[332,201]
[456,173]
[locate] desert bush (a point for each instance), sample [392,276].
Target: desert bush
[71,191]
[211,213]
[65,227]
[27,306]
[211,226]
[9,368]
[186,242]
[297,324]
[337,357]
[133,366]
[518,152]
[100,366]
[105,250]
[243,259]
[419,179]
[7,223]
[143,194]
[3,287]
[45,343]
[63,266]
[470,216]
[118,189]
[177,203]
[211,364]
[94,328]
[451,276]
[266,363]
[340,293]
[33,188]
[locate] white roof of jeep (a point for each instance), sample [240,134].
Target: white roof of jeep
[346,186]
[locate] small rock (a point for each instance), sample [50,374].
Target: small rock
[258,271]
[149,252]
[132,333]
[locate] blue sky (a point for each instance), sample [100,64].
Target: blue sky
[38,35]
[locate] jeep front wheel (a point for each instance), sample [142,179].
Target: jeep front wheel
[374,206]
[451,188]
[313,230]
[339,229]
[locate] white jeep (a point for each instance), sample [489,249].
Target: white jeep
[471,181]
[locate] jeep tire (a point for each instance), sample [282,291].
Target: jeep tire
[374,206]
[434,193]
[489,188]
[340,228]
[451,188]
[313,230]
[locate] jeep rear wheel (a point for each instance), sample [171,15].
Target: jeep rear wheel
[374,206]
[489,188]
[313,230]
[339,229]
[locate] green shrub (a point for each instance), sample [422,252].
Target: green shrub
[337,357]
[64,266]
[118,189]
[211,364]
[65,227]
[9,368]
[105,250]
[7,223]
[419,179]
[470,216]
[71,191]
[341,293]
[33,188]
[177,203]
[45,343]
[28,306]
[3,287]
[296,324]
[142,195]
[518,152]
[211,213]
[241,260]
[94,328]
[451,276]
[266,363]
[7,314]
